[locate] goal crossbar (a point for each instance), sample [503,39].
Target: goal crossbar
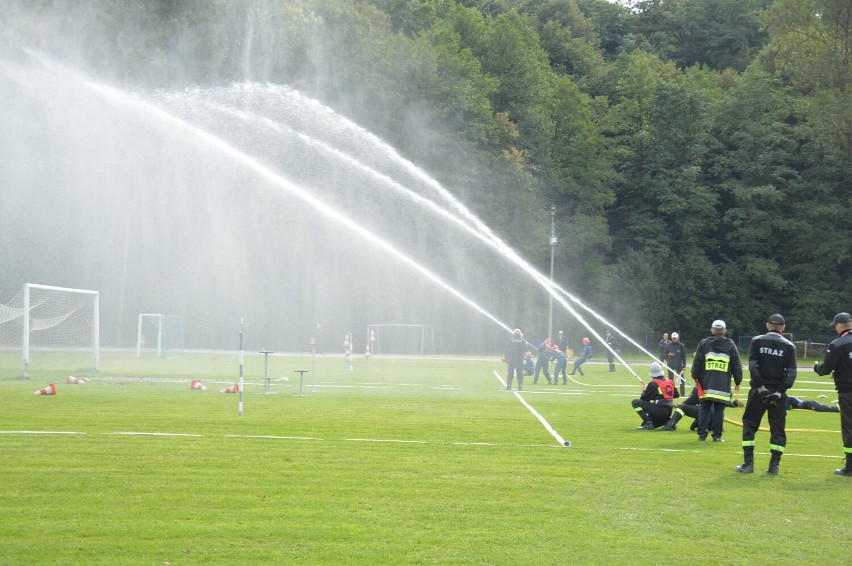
[28,326]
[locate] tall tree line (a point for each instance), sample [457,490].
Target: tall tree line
[698,153]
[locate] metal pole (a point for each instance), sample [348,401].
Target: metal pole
[241,367]
[301,373]
[313,366]
[266,389]
[552,257]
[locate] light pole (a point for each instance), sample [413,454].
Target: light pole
[552,256]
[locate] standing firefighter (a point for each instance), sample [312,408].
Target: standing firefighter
[613,348]
[772,365]
[716,361]
[838,359]
[515,349]
[654,407]
[543,360]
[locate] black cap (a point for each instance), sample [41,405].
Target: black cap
[841,318]
[776,319]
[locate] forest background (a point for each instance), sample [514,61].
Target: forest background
[696,154]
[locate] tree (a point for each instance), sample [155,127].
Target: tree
[812,48]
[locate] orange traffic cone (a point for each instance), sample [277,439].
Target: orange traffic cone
[196,385]
[72,379]
[49,390]
[232,389]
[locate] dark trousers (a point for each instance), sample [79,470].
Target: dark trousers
[844,400]
[541,365]
[658,414]
[711,417]
[690,411]
[677,369]
[515,369]
[753,414]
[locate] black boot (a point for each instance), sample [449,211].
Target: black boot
[672,424]
[774,463]
[647,425]
[747,466]
[847,471]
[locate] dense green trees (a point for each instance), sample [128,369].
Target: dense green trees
[698,152]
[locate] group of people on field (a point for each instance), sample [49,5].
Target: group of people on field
[521,363]
[772,366]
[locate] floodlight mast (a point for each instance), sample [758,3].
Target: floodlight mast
[552,257]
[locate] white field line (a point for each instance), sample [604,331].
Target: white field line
[786,454]
[155,434]
[39,432]
[386,440]
[272,437]
[547,427]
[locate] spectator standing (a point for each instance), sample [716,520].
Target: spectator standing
[838,359]
[675,359]
[664,344]
[716,361]
[562,342]
[772,366]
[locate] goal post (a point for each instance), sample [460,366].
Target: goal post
[410,339]
[56,323]
[160,334]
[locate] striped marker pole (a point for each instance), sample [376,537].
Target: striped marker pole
[241,368]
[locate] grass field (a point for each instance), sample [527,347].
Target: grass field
[402,461]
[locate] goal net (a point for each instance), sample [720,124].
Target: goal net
[52,329]
[159,335]
[404,339]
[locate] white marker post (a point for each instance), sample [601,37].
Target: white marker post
[241,368]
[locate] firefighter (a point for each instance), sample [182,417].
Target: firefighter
[654,406]
[515,349]
[772,365]
[716,361]
[838,359]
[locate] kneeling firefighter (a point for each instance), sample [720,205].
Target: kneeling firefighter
[654,406]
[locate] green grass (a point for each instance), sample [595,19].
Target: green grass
[403,461]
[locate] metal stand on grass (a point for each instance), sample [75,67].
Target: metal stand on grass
[266,387]
[301,373]
[313,365]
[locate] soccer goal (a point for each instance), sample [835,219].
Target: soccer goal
[52,327]
[160,335]
[810,349]
[405,339]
